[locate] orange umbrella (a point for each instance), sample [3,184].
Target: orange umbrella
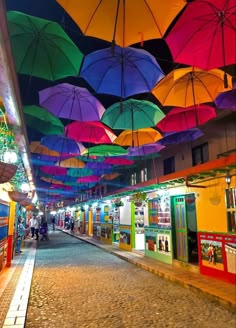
[50,180]
[110,176]
[73,162]
[185,87]
[123,22]
[137,138]
[35,147]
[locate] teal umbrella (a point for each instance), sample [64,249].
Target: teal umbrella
[106,150]
[42,121]
[75,172]
[41,48]
[132,114]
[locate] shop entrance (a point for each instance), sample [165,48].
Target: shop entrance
[184,225]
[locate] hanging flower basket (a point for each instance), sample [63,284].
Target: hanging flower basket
[117,202]
[7,171]
[17,196]
[138,198]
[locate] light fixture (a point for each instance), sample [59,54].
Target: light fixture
[228,179]
[10,156]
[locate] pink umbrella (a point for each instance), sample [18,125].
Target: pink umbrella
[61,186]
[180,119]
[54,170]
[118,161]
[92,178]
[94,132]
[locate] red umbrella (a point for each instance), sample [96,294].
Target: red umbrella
[180,119]
[204,35]
[94,132]
[118,161]
[54,170]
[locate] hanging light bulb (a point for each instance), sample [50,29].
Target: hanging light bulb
[10,156]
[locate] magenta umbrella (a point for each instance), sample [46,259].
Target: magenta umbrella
[180,119]
[93,132]
[204,35]
[92,178]
[54,170]
[118,161]
[69,101]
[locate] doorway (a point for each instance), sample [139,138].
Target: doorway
[184,225]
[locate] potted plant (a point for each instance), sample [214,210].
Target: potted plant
[118,202]
[139,198]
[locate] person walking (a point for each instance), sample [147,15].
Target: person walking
[20,232]
[31,225]
[36,227]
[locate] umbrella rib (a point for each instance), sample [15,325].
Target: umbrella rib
[151,13]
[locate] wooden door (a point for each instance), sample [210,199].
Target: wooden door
[181,229]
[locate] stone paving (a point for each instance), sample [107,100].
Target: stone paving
[78,285]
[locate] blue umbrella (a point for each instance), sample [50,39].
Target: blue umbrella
[172,138]
[123,72]
[62,144]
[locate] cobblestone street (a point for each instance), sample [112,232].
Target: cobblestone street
[76,284]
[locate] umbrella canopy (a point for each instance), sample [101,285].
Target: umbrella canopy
[204,35]
[54,170]
[172,138]
[123,72]
[118,161]
[98,165]
[92,178]
[36,147]
[126,22]
[132,114]
[79,172]
[62,144]
[180,119]
[7,171]
[185,87]
[105,150]
[42,121]
[111,176]
[227,100]
[51,180]
[144,150]
[69,101]
[41,48]
[137,138]
[71,163]
[93,132]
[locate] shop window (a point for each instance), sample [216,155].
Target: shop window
[133,179]
[231,209]
[200,154]
[169,165]
[143,174]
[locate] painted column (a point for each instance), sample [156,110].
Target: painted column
[11,222]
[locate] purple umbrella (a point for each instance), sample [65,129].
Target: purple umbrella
[62,144]
[98,165]
[172,138]
[145,149]
[227,100]
[71,102]
[121,72]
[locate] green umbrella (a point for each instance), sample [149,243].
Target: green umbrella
[42,121]
[41,48]
[106,150]
[83,172]
[132,114]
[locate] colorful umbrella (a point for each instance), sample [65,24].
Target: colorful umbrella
[123,72]
[123,22]
[137,137]
[180,119]
[41,48]
[35,147]
[42,121]
[92,178]
[71,163]
[105,150]
[98,165]
[79,172]
[110,176]
[54,170]
[71,102]
[145,150]
[62,144]
[204,35]
[185,87]
[172,138]
[132,114]
[118,161]
[227,100]
[93,132]
[51,180]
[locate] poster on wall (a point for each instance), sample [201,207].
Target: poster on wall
[163,243]
[211,252]
[125,235]
[150,240]
[230,250]
[106,213]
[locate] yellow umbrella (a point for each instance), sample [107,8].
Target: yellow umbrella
[110,176]
[71,163]
[185,87]
[50,180]
[137,138]
[35,147]
[124,22]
